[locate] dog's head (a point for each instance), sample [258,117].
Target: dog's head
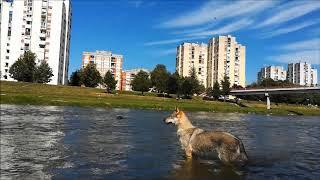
[174,118]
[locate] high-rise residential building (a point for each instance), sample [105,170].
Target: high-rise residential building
[127,76]
[226,57]
[302,74]
[41,26]
[105,61]
[314,77]
[192,55]
[274,72]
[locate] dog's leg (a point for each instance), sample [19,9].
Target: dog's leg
[189,152]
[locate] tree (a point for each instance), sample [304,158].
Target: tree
[194,82]
[209,92]
[216,90]
[75,78]
[235,86]
[24,68]
[43,73]
[159,78]
[187,87]
[141,82]
[90,76]
[175,84]
[225,84]
[268,82]
[200,89]
[109,82]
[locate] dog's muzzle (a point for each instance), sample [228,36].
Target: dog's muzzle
[165,120]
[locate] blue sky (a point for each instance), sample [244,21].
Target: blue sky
[147,32]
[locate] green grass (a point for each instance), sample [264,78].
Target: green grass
[41,94]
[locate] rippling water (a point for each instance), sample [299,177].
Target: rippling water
[86,143]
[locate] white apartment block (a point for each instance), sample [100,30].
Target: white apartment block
[41,26]
[302,74]
[105,61]
[314,77]
[127,76]
[192,55]
[226,57]
[273,72]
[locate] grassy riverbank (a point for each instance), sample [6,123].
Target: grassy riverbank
[41,94]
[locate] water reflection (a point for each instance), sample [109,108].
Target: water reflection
[200,169]
[87,143]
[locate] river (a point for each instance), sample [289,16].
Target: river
[48,142]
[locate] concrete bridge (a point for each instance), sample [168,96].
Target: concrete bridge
[268,91]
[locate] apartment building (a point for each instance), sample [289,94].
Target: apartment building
[41,26]
[314,77]
[127,76]
[274,72]
[302,74]
[226,57]
[192,55]
[105,61]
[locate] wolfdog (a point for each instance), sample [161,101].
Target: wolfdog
[195,141]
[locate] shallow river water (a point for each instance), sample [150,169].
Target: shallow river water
[90,143]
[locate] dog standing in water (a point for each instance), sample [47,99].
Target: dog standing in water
[196,141]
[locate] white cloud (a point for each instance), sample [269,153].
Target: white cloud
[311,44]
[217,11]
[289,29]
[232,27]
[170,41]
[167,51]
[309,56]
[290,11]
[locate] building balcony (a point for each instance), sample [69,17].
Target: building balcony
[42,35]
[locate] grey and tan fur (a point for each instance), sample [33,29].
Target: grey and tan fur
[196,141]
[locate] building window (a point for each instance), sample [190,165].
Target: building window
[8,51]
[5,77]
[7,57]
[6,70]
[7,65]
[27,32]
[10,16]
[9,31]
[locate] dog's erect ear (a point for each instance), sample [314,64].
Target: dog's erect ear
[177,109]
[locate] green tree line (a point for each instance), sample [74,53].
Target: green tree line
[89,76]
[159,80]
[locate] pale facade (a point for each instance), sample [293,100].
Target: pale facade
[226,57]
[41,26]
[273,72]
[127,77]
[192,55]
[105,61]
[314,77]
[302,74]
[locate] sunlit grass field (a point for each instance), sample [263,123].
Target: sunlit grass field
[42,94]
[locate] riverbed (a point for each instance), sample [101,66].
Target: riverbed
[48,142]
